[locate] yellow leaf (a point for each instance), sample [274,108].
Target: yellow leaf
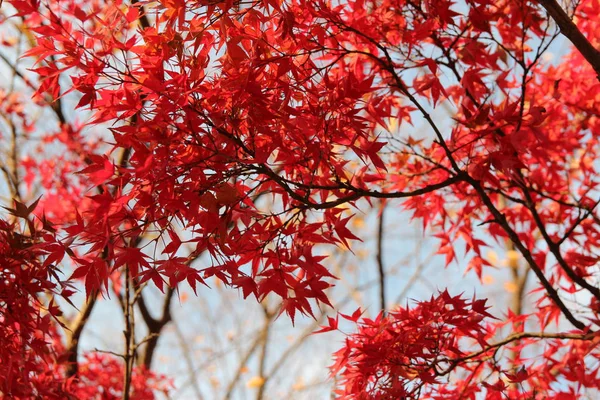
[393,125]
[513,257]
[230,335]
[492,257]
[299,385]
[183,297]
[510,287]
[255,382]
[214,381]
[487,279]
[362,254]
[358,222]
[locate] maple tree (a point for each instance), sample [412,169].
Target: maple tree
[247,133]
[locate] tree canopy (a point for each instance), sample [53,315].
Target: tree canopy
[247,132]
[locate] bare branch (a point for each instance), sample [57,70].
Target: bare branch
[74,334]
[380,256]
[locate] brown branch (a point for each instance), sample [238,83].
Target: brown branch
[155,326]
[572,32]
[514,237]
[10,168]
[379,256]
[144,22]
[74,334]
[129,334]
[516,337]
[555,248]
[14,162]
[358,193]
[262,360]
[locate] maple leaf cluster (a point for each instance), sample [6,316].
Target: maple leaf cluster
[33,355]
[443,348]
[96,380]
[410,347]
[26,328]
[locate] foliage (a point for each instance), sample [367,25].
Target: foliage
[213,107]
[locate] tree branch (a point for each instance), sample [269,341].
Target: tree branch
[519,336]
[155,326]
[380,265]
[571,32]
[76,329]
[514,237]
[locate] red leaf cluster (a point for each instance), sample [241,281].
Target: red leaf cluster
[399,353]
[249,131]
